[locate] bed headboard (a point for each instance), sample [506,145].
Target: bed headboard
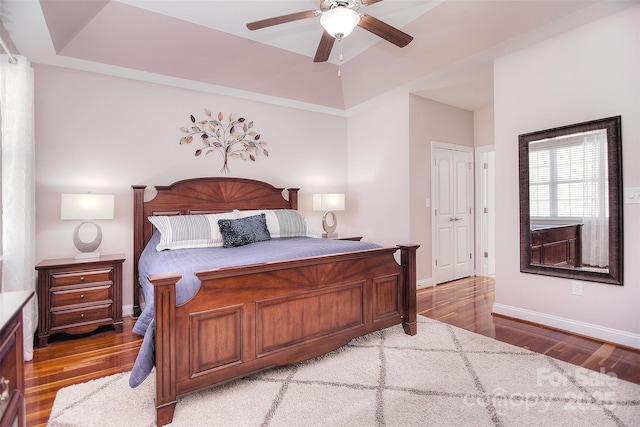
[200,196]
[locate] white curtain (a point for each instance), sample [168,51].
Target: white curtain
[595,231]
[18,186]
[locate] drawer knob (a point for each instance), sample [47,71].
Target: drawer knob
[4,384]
[82,278]
[82,315]
[81,296]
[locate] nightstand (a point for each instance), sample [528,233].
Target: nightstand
[78,296]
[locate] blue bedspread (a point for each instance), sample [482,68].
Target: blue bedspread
[187,261]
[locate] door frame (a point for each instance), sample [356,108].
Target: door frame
[484,234]
[469,150]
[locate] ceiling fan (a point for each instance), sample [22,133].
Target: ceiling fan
[339,18]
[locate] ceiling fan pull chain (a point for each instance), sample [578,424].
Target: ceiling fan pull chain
[339,37]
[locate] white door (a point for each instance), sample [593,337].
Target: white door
[453,214]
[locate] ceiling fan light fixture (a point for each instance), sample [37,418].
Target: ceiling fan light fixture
[339,20]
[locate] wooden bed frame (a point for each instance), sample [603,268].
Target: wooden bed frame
[250,318]
[557,245]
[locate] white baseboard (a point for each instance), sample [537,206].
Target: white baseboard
[424,283]
[616,336]
[127,310]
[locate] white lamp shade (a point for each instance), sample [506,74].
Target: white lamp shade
[339,20]
[86,206]
[328,202]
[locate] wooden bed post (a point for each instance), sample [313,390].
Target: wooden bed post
[293,198]
[409,304]
[164,295]
[138,242]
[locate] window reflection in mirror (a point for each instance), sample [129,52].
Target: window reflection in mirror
[568,199]
[570,193]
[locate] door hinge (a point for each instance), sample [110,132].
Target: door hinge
[486,210]
[436,263]
[486,254]
[470,256]
[485,165]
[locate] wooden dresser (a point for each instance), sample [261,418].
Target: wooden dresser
[12,409]
[78,296]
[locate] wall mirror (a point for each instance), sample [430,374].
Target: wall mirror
[571,201]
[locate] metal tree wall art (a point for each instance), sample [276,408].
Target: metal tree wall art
[235,140]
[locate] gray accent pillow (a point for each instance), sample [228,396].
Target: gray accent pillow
[243,231]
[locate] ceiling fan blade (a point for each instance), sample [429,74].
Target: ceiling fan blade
[368,2]
[281,19]
[384,30]
[324,48]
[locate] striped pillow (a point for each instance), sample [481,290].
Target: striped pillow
[189,231]
[282,222]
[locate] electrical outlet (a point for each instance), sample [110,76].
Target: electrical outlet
[632,195]
[576,287]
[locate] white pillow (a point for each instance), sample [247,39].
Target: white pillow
[282,222]
[190,231]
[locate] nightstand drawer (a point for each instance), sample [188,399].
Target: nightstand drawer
[8,363]
[62,298]
[79,316]
[10,409]
[12,406]
[81,278]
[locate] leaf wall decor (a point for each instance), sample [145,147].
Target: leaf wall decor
[234,140]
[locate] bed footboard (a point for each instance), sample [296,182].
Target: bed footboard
[246,319]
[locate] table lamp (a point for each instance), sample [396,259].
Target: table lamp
[329,202]
[87,207]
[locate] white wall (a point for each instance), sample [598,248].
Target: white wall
[102,134]
[483,127]
[378,172]
[589,73]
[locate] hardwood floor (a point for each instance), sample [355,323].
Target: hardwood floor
[71,360]
[465,303]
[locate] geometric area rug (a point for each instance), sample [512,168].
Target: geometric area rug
[443,376]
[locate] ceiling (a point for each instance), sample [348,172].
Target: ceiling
[205,45]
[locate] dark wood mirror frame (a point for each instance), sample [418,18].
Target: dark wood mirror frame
[614,153]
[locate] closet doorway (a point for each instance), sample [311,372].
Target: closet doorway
[452,214]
